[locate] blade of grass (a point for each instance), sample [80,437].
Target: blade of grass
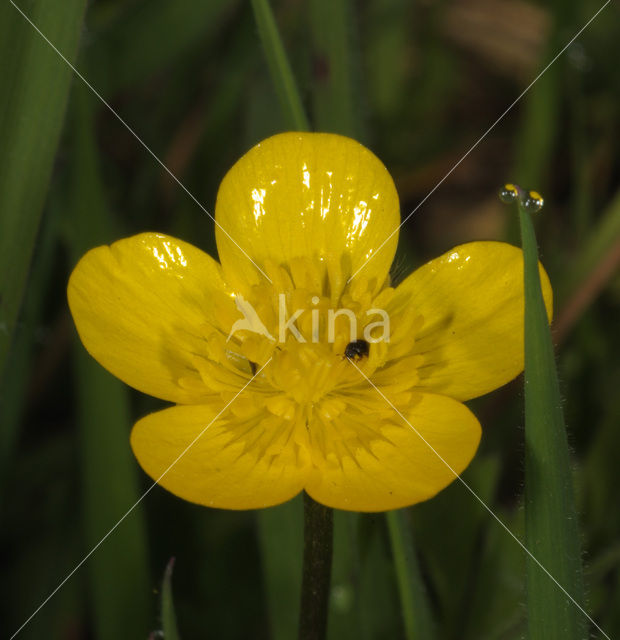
[449,560]
[119,579]
[540,122]
[378,599]
[20,358]
[334,69]
[34,93]
[168,617]
[279,67]
[598,243]
[587,292]
[149,36]
[551,525]
[413,598]
[280,534]
[49,532]
[384,53]
[345,615]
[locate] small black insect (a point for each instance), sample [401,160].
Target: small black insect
[356,349]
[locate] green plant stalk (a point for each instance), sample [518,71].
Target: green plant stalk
[32,75]
[551,527]
[413,598]
[279,67]
[318,541]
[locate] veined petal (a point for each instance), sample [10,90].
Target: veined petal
[245,463]
[471,301]
[140,307]
[411,460]
[315,195]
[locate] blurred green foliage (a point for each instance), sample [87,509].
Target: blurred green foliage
[418,82]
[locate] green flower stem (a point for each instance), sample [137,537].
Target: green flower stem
[318,542]
[279,67]
[413,599]
[551,528]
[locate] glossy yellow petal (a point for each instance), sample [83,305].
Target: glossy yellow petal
[471,302]
[244,463]
[313,195]
[140,307]
[401,467]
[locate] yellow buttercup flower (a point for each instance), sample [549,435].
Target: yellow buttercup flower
[293,353]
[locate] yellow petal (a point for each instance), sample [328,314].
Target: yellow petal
[314,195]
[410,462]
[140,306]
[231,465]
[471,301]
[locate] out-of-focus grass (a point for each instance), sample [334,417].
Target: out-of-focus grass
[29,136]
[192,81]
[119,582]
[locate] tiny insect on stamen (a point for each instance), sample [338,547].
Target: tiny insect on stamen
[356,349]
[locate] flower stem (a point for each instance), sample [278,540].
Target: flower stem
[318,542]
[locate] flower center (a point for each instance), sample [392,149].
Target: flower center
[311,339]
[309,323]
[306,342]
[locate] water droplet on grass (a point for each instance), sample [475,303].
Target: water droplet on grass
[533,202]
[508,193]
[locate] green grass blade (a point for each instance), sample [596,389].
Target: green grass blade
[600,239]
[168,616]
[152,35]
[279,67]
[335,109]
[345,618]
[120,588]
[540,124]
[35,85]
[119,581]
[413,598]
[20,359]
[552,535]
[280,534]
